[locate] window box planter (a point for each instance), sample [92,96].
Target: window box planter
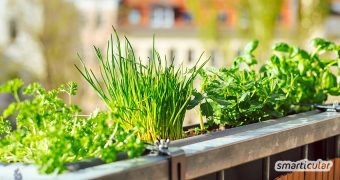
[220,152]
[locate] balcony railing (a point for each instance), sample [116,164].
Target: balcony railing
[247,152]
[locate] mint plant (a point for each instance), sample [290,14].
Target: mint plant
[235,96]
[292,81]
[309,75]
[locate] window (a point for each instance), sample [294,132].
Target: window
[187,17]
[134,17]
[190,55]
[239,52]
[244,20]
[213,57]
[99,20]
[162,17]
[335,8]
[280,17]
[83,20]
[13,29]
[172,54]
[222,17]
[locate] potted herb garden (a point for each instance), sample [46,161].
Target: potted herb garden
[147,102]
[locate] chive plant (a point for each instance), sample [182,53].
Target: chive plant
[152,96]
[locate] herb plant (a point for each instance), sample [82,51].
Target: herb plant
[50,133]
[293,80]
[152,96]
[309,75]
[235,96]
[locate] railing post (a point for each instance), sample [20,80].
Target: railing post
[220,175]
[177,163]
[337,146]
[266,168]
[305,151]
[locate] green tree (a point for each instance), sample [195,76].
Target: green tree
[60,40]
[311,15]
[205,14]
[261,17]
[255,19]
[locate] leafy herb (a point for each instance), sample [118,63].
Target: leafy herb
[49,133]
[293,80]
[153,97]
[306,77]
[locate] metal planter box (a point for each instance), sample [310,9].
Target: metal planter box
[211,153]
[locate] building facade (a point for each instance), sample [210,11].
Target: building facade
[177,34]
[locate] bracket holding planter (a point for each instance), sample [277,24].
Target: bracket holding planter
[177,163]
[205,154]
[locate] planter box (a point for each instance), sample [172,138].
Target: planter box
[205,154]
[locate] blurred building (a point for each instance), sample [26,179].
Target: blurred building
[20,52]
[177,35]
[97,19]
[332,24]
[21,22]
[171,21]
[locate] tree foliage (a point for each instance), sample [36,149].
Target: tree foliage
[60,39]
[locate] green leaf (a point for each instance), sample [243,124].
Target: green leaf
[255,106]
[322,44]
[282,47]
[197,99]
[10,110]
[250,59]
[329,80]
[263,69]
[73,87]
[11,86]
[275,114]
[277,97]
[231,97]
[335,91]
[5,126]
[206,109]
[300,52]
[251,46]
[304,54]
[244,96]
[220,101]
[33,88]
[301,67]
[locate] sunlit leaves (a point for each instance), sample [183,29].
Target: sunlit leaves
[250,47]
[50,133]
[291,81]
[11,86]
